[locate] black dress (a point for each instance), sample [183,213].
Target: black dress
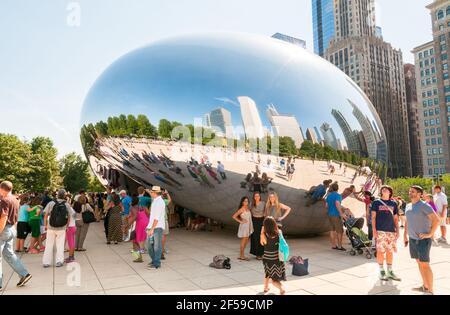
[255,246]
[273,267]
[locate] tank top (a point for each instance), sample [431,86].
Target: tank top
[258,211]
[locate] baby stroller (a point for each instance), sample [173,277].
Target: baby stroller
[359,240]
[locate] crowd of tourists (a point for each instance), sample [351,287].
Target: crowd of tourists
[386,215]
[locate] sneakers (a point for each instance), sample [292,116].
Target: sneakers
[24,280]
[138,260]
[392,276]
[69,260]
[442,240]
[383,276]
[46,266]
[151,267]
[59,264]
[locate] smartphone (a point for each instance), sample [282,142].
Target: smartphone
[406,243]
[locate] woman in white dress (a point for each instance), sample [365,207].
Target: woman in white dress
[244,217]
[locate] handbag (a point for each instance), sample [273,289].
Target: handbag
[88,217]
[283,249]
[300,267]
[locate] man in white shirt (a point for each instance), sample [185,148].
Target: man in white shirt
[56,235]
[156,227]
[440,200]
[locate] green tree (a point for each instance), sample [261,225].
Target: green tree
[44,172]
[145,128]
[287,146]
[14,161]
[132,125]
[101,128]
[165,128]
[95,185]
[75,172]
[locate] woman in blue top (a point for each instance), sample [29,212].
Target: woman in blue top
[23,229]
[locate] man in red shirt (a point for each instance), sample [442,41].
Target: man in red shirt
[9,207]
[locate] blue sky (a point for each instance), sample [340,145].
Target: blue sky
[48,66]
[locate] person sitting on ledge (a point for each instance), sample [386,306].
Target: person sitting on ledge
[317,193]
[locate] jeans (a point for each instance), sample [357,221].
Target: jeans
[7,251]
[155,247]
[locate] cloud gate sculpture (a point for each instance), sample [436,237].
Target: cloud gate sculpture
[167,113]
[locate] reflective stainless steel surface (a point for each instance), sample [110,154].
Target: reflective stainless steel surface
[238,87]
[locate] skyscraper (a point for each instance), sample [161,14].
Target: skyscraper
[440,15]
[351,137]
[329,136]
[323,24]
[220,118]
[432,131]
[378,69]
[206,121]
[285,125]
[290,39]
[251,120]
[413,119]
[311,136]
[367,131]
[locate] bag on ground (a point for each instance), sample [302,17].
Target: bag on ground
[300,266]
[221,262]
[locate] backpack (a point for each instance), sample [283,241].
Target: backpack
[220,262]
[59,217]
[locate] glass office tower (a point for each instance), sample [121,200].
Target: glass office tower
[323,23]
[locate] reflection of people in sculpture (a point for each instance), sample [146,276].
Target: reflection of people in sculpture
[255,183]
[354,177]
[351,190]
[274,208]
[282,163]
[317,193]
[246,183]
[198,170]
[290,172]
[244,217]
[191,172]
[345,170]
[212,174]
[221,170]
[257,170]
[265,182]
[167,176]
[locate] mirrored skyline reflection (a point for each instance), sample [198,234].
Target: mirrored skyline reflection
[244,87]
[188,77]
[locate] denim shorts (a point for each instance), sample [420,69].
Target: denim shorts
[420,249]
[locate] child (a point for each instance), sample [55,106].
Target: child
[23,229]
[34,221]
[71,231]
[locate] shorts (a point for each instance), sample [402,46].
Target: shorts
[43,231]
[336,224]
[166,228]
[420,249]
[23,229]
[35,226]
[386,242]
[442,220]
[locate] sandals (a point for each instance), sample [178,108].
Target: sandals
[244,259]
[266,290]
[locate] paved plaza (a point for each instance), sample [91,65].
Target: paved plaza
[108,269]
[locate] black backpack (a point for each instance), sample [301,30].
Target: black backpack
[59,217]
